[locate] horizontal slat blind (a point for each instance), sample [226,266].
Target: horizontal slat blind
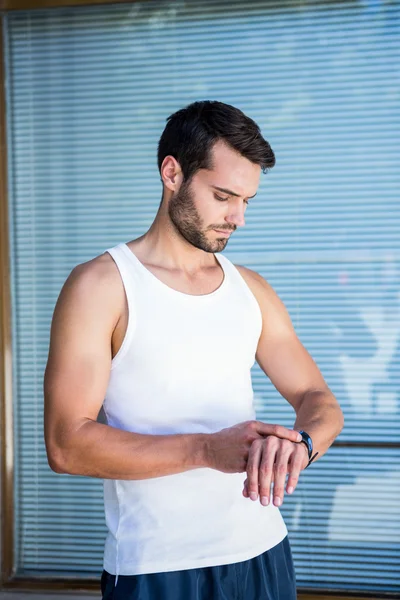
[89,90]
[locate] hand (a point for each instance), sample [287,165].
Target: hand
[229,450]
[269,461]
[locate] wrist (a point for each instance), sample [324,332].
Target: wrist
[307,442]
[306,457]
[199,450]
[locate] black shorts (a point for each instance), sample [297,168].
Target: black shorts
[269,576]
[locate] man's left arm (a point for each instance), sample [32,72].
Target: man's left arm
[296,376]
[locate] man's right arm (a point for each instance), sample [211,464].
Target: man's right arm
[75,384]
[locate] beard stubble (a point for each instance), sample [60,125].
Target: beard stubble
[185,217]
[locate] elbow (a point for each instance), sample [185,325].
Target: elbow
[56,466]
[337,413]
[59,458]
[56,460]
[64,450]
[61,450]
[340,421]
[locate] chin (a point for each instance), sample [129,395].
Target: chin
[220,245]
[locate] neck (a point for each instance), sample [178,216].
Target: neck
[164,246]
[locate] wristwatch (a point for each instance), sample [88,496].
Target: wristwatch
[308,442]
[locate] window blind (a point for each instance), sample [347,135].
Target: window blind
[88,92]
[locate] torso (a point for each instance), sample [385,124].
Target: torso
[213,336]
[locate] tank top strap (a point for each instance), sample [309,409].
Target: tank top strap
[225,263]
[125,270]
[237,279]
[228,266]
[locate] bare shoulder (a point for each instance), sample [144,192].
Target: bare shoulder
[95,283]
[258,285]
[100,269]
[271,305]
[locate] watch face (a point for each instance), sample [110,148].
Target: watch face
[307,440]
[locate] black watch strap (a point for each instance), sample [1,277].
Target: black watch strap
[306,439]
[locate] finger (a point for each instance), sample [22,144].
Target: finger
[266,471]
[280,469]
[277,430]
[253,462]
[245,491]
[295,466]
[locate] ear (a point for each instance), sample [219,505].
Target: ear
[171,173]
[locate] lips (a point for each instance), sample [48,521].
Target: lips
[224,231]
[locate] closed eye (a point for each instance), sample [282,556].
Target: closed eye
[220,199]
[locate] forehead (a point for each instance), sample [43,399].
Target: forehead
[233,171]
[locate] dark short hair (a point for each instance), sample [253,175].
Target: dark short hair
[191,132]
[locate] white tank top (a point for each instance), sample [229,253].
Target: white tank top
[183,367]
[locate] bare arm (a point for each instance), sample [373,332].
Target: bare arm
[296,376]
[75,384]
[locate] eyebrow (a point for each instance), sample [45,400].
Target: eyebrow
[229,192]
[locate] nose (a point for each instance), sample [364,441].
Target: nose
[236,217]
[237,209]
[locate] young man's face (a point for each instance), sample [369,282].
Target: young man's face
[205,215]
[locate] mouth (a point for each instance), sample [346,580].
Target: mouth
[223,232]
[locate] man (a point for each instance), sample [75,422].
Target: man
[166,332]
